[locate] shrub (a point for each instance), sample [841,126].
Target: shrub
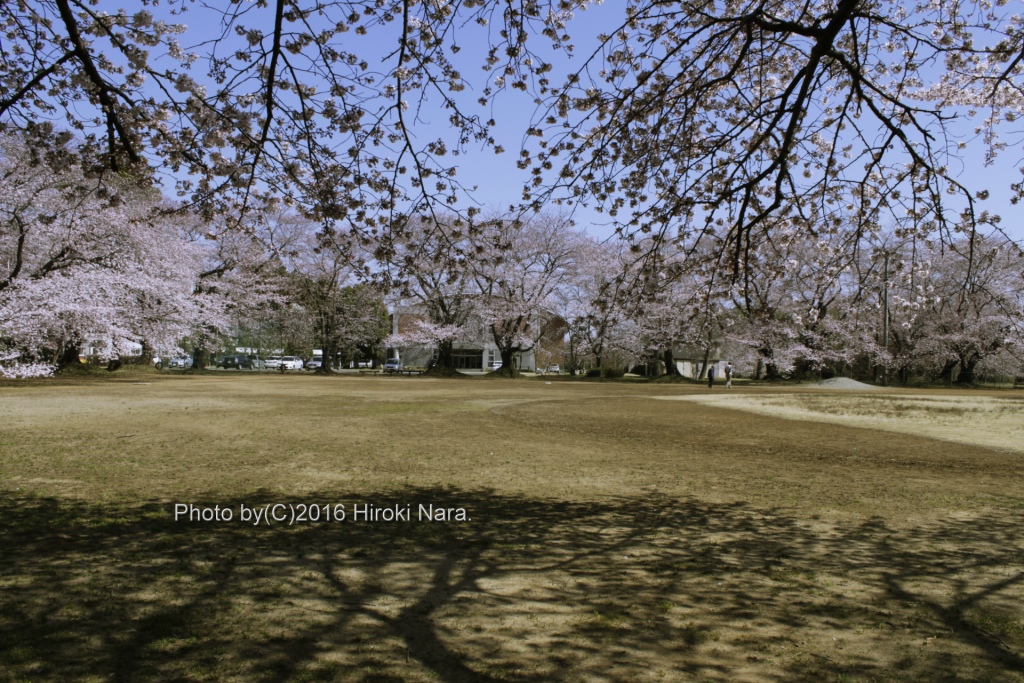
[607,373]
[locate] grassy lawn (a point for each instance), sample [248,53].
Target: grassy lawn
[771,534]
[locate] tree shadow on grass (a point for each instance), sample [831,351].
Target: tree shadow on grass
[526,590]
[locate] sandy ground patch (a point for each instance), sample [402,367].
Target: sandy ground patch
[976,420]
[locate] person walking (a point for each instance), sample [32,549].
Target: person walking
[711,377]
[728,375]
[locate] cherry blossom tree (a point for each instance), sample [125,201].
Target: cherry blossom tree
[341,312]
[756,113]
[919,313]
[591,304]
[772,318]
[891,292]
[243,272]
[741,119]
[429,267]
[982,322]
[313,102]
[820,272]
[897,307]
[518,266]
[677,300]
[87,258]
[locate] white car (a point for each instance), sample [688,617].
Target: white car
[182,362]
[291,363]
[393,365]
[273,363]
[314,363]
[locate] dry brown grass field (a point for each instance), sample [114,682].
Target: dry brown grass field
[771,534]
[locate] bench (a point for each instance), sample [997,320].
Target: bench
[406,371]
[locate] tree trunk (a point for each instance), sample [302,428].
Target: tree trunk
[967,367]
[200,359]
[704,363]
[69,358]
[146,355]
[329,351]
[759,369]
[946,374]
[507,356]
[571,358]
[670,363]
[446,355]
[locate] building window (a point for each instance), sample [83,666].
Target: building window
[469,359]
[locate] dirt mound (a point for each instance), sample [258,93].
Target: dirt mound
[843,383]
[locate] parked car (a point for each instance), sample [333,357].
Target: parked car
[494,365]
[364,364]
[314,363]
[291,363]
[554,368]
[273,362]
[240,362]
[182,362]
[393,365]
